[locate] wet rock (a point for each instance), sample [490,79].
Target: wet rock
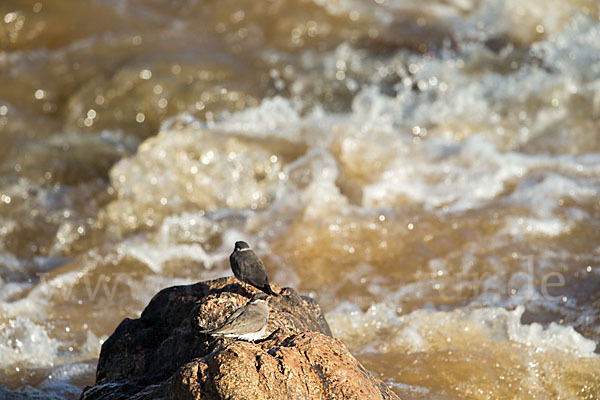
[26,393]
[162,354]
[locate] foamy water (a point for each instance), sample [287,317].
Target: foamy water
[429,172]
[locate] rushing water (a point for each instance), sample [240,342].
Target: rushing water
[429,171]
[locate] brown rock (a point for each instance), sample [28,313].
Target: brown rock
[307,365]
[162,355]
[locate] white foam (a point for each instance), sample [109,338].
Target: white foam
[8,262]
[156,256]
[555,336]
[429,330]
[60,379]
[182,169]
[466,19]
[536,226]
[178,238]
[321,195]
[92,345]
[24,342]
[273,117]
[513,18]
[473,173]
[10,290]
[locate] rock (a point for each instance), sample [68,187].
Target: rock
[307,365]
[26,393]
[162,354]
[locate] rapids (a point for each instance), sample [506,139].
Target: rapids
[428,171]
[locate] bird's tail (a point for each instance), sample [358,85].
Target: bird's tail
[209,331]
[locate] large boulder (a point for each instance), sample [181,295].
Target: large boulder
[162,354]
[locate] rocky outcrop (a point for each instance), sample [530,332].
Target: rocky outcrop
[163,355]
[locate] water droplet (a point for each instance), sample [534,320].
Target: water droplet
[10,17]
[145,74]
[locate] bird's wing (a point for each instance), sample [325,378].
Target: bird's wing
[235,267]
[258,277]
[229,319]
[245,319]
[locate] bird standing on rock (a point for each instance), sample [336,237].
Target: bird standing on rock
[248,322]
[249,268]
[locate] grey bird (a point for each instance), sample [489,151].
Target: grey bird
[249,268]
[248,322]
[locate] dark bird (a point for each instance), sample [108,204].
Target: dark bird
[248,322]
[249,268]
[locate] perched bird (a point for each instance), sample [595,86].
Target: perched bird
[248,268]
[248,322]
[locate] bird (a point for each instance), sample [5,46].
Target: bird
[248,322]
[249,268]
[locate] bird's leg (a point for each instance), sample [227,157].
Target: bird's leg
[247,287]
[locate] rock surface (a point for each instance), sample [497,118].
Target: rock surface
[26,393]
[162,355]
